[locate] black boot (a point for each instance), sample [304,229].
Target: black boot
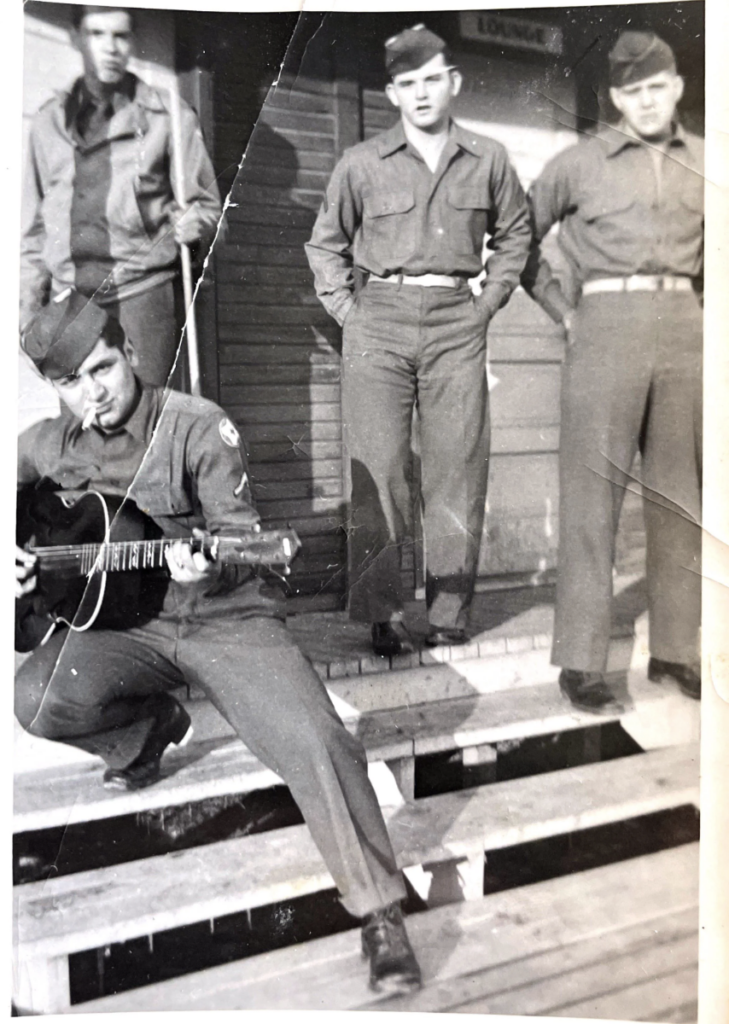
[385,641]
[171,725]
[385,943]
[688,679]
[588,691]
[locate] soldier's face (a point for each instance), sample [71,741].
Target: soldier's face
[105,41]
[649,106]
[424,96]
[104,384]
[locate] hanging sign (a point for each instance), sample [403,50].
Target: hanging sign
[490,27]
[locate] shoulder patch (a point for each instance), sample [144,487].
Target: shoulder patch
[228,433]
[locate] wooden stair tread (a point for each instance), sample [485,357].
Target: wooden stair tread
[221,765]
[519,938]
[62,915]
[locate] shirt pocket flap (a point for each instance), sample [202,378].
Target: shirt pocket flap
[468,198]
[380,204]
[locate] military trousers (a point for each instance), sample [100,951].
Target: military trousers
[405,346]
[632,380]
[153,322]
[97,690]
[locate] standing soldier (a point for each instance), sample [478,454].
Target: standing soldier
[630,207]
[411,208]
[100,214]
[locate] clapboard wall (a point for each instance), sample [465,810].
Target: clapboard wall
[278,367]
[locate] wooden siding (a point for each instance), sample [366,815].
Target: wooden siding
[279,374]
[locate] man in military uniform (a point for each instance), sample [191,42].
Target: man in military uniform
[629,203]
[100,213]
[221,627]
[411,208]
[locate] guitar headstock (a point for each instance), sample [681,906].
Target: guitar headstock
[268,547]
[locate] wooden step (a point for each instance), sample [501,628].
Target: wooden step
[621,937]
[94,908]
[221,765]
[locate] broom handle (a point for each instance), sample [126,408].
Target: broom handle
[193,357]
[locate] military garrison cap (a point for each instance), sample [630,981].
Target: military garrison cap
[66,331]
[638,55]
[411,48]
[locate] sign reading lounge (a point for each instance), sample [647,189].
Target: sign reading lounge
[520,32]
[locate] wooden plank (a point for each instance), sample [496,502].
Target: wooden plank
[261,273]
[283,98]
[234,312]
[274,295]
[300,121]
[305,412]
[297,433]
[265,347]
[146,896]
[280,374]
[654,999]
[513,983]
[261,394]
[524,440]
[285,175]
[451,942]
[253,213]
[493,717]
[296,469]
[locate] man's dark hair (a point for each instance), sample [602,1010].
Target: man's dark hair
[80,11]
[113,333]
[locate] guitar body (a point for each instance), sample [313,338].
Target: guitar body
[103,600]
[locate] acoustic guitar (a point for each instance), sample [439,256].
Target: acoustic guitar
[101,561]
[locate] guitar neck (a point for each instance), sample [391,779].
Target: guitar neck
[263,548]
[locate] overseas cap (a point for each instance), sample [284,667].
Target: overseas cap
[64,333]
[411,48]
[638,55]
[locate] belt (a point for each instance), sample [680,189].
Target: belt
[639,283]
[424,280]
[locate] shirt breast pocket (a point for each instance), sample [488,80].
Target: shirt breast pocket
[388,225]
[469,219]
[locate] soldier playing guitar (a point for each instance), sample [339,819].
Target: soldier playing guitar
[215,624]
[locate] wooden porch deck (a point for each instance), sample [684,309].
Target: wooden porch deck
[621,936]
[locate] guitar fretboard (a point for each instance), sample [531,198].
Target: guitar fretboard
[116,556]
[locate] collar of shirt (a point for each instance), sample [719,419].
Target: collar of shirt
[84,97]
[620,136]
[395,139]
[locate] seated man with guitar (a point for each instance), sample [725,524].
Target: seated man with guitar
[168,471]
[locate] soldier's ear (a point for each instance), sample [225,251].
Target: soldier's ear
[678,88]
[391,94]
[456,81]
[130,352]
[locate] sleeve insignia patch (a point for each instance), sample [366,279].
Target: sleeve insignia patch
[228,433]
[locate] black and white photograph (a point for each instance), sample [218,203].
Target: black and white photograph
[358,567]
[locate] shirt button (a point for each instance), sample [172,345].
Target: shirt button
[440,231]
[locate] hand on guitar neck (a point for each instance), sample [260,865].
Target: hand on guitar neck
[188,566]
[26,572]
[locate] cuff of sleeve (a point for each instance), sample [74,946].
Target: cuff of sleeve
[555,303]
[341,307]
[491,299]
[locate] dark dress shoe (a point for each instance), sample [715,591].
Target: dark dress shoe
[588,691]
[385,943]
[688,679]
[385,641]
[445,637]
[171,725]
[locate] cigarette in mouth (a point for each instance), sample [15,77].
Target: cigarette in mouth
[88,419]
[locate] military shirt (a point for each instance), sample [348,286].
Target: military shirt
[180,459]
[622,210]
[387,213]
